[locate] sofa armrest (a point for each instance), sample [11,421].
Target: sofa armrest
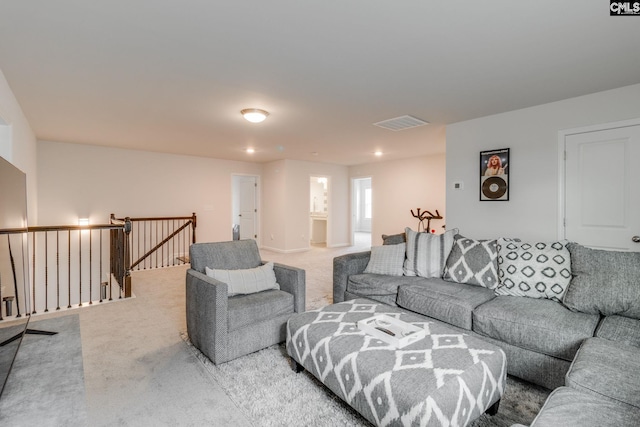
[292,280]
[343,267]
[207,321]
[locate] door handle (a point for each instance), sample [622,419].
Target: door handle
[635,239]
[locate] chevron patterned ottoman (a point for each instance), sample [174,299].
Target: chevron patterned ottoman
[447,378]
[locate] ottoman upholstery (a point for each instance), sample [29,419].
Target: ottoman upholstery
[447,378]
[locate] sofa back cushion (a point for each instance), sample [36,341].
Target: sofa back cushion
[604,282]
[427,253]
[394,239]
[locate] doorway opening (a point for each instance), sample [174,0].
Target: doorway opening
[245,215]
[318,210]
[362,208]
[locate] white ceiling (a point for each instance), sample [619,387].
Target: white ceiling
[172,76]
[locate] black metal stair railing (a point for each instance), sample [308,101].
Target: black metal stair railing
[74,265]
[77,265]
[69,265]
[157,242]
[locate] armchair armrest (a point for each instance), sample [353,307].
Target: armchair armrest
[343,267]
[292,280]
[206,305]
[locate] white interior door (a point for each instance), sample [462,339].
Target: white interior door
[363,205]
[602,188]
[248,211]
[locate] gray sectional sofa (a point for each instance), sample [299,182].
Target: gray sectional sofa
[583,341]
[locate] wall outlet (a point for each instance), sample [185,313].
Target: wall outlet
[458,185]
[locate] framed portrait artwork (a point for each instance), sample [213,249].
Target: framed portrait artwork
[494,175]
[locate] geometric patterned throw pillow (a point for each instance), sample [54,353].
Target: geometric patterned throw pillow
[534,270]
[473,262]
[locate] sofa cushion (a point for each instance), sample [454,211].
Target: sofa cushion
[534,270]
[607,369]
[539,325]
[427,253]
[622,329]
[374,286]
[246,281]
[604,282]
[449,302]
[473,262]
[245,310]
[567,407]
[394,239]
[386,259]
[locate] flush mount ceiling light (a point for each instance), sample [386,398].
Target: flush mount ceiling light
[254,115]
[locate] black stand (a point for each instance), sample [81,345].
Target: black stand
[28,331]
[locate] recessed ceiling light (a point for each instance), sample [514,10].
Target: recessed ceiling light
[254,115]
[250,150]
[378,153]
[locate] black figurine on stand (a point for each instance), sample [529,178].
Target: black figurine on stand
[426,215]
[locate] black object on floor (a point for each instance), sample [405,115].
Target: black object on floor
[28,331]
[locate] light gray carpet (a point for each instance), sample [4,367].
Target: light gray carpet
[264,386]
[28,397]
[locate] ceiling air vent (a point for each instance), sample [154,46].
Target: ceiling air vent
[401,123]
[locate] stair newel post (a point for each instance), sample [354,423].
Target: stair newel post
[193,229]
[127,257]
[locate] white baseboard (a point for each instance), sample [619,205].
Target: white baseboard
[339,245]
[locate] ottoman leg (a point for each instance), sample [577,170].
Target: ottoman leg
[493,409]
[297,368]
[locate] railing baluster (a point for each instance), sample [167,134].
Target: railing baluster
[69,268]
[46,271]
[80,268]
[57,270]
[90,268]
[100,276]
[34,274]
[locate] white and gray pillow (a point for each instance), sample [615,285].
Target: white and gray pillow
[386,259]
[473,262]
[246,281]
[427,253]
[534,270]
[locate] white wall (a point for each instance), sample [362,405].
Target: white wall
[401,185]
[532,135]
[77,180]
[286,184]
[18,143]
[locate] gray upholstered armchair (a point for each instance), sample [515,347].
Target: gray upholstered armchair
[226,327]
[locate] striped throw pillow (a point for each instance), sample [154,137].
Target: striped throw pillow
[427,253]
